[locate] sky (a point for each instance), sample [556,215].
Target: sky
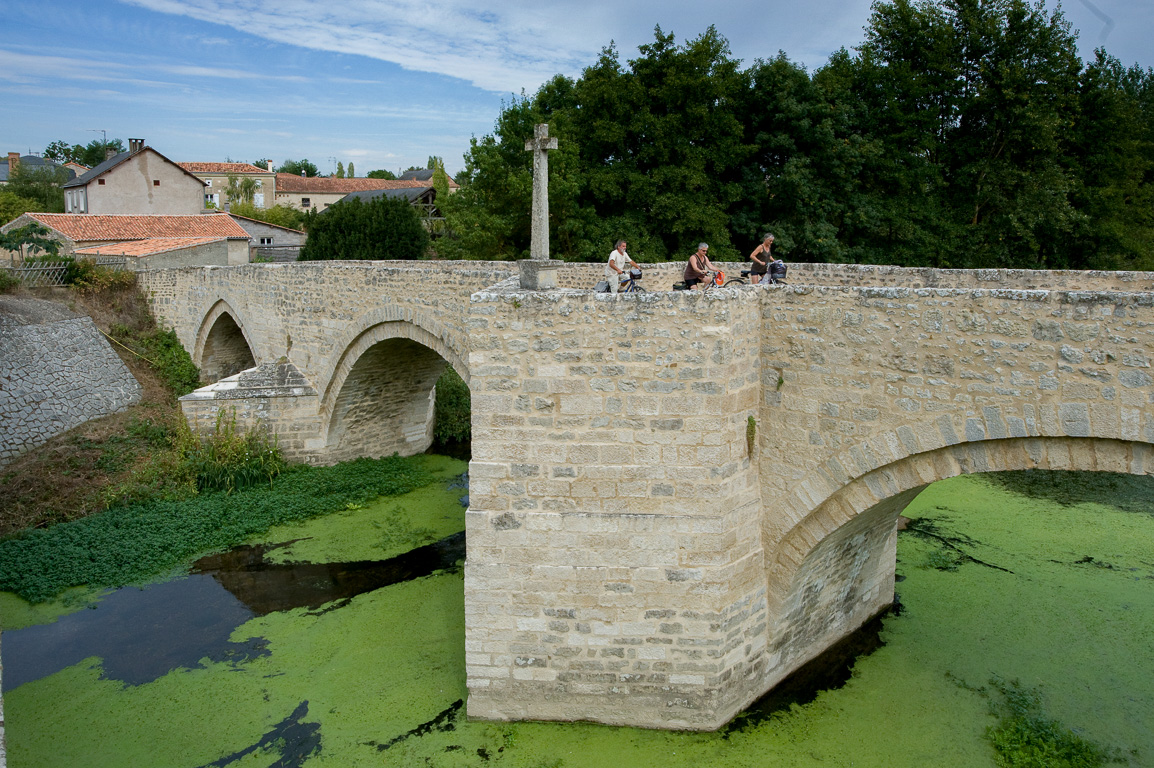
[379,83]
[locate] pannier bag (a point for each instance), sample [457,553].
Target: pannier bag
[719,278]
[777,271]
[601,287]
[635,274]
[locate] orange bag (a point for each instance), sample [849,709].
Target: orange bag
[719,278]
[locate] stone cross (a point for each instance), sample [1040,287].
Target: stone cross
[540,145]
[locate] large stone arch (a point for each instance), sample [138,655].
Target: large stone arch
[222,346]
[834,569]
[380,396]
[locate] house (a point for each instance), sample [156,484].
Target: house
[163,252]
[140,181]
[15,160]
[77,233]
[271,241]
[215,178]
[322,191]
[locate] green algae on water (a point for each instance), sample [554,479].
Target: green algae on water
[382,676]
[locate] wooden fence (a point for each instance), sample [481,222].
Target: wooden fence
[42,275]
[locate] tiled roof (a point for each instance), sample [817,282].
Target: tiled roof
[222,168]
[320,185]
[147,247]
[115,228]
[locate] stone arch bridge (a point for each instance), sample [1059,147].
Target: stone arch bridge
[677,498]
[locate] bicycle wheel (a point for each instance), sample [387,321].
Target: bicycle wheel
[736,281]
[635,288]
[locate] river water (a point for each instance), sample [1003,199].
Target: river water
[340,642]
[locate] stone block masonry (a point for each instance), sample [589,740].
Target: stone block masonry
[57,371]
[631,557]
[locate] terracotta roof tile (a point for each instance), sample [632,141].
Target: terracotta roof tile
[147,247]
[116,228]
[222,168]
[287,182]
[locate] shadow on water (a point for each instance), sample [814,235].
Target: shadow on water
[829,671]
[141,634]
[294,740]
[267,587]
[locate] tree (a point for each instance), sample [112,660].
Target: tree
[240,189]
[280,215]
[29,239]
[13,205]
[264,163]
[340,174]
[973,99]
[383,228]
[63,152]
[41,184]
[352,174]
[296,167]
[381,174]
[434,162]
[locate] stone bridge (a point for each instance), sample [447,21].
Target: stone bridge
[677,498]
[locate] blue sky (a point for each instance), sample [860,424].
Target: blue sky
[381,83]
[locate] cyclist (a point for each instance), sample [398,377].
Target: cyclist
[699,266]
[759,266]
[615,267]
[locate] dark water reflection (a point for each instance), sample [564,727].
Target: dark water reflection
[144,633]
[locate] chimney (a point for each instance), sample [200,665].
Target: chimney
[13,161]
[135,145]
[269,165]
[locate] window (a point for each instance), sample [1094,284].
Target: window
[258,183]
[266,241]
[156,182]
[100,182]
[304,202]
[208,182]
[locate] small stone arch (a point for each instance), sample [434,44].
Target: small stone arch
[222,347]
[380,396]
[834,569]
[389,322]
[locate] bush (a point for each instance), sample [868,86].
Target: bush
[383,228]
[7,282]
[87,275]
[452,414]
[228,461]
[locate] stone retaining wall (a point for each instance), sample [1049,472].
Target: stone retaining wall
[57,371]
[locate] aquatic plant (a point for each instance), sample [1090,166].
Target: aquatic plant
[133,542]
[1025,737]
[228,460]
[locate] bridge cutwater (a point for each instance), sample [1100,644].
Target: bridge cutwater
[676,498]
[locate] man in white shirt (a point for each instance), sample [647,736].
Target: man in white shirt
[615,267]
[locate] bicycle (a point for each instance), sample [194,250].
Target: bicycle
[630,284]
[712,281]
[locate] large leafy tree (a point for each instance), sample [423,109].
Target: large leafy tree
[972,100]
[297,167]
[383,228]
